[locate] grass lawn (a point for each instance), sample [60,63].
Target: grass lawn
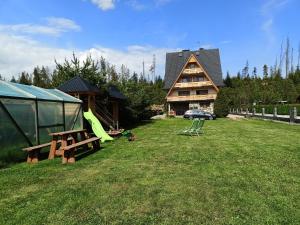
[238,172]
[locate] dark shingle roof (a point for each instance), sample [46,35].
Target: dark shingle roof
[208,58]
[78,84]
[114,92]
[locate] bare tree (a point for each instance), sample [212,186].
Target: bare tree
[298,63]
[281,58]
[287,57]
[292,61]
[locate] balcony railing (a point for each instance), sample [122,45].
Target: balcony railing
[191,98]
[193,84]
[192,71]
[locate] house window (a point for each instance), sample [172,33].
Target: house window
[186,79]
[201,92]
[183,93]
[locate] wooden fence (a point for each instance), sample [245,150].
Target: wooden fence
[292,117]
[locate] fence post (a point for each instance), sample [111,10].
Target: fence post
[247,111]
[275,112]
[295,112]
[254,111]
[292,116]
[263,111]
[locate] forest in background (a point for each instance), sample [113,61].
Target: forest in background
[279,84]
[141,93]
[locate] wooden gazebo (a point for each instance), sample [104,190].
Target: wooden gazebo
[95,99]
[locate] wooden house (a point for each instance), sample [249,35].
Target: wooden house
[192,80]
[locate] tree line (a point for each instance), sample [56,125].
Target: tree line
[277,84]
[141,93]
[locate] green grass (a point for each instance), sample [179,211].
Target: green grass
[238,172]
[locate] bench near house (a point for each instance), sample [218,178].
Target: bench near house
[192,79]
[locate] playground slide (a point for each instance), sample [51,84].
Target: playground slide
[96,126]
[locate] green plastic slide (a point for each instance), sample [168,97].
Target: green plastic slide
[96,126]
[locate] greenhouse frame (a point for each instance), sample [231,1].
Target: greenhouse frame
[29,113]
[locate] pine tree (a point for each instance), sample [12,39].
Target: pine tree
[254,72]
[265,71]
[245,71]
[24,78]
[227,81]
[13,79]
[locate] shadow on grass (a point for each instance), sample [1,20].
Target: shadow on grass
[80,153]
[141,123]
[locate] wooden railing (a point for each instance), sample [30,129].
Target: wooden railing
[191,98]
[192,71]
[193,84]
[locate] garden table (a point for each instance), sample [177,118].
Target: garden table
[66,138]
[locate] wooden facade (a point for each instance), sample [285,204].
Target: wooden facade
[192,89]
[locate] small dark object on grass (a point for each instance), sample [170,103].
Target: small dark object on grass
[129,135]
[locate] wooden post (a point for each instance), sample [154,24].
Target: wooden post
[254,111]
[53,147]
[263,111]
[295,112]
[115,113]
[275,112]
[292,115]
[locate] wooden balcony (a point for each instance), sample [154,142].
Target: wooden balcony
[193,84]
[191,98]
[192,71]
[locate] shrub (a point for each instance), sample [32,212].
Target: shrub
[222,103]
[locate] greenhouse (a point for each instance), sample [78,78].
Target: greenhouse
[29,113]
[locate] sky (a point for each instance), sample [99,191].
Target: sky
[35,32]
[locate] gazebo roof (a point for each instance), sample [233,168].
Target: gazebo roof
[78,85]
[114,92]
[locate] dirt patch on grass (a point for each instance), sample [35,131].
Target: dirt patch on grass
[235,117]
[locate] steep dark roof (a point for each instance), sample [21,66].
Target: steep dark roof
[114,92]
[78,84]
[208,58]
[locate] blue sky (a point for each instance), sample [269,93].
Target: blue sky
[34,32]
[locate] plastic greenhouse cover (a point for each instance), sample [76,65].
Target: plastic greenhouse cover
[64,96]
[32,92]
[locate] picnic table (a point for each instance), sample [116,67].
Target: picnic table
[69,141]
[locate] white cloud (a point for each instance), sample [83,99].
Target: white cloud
[225,42]
[136,5]
[104,4]
[268,11]
[206,46]
[23,54]
[54,27]
[63,23]
[270,6]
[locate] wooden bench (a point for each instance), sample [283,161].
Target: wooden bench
[33,152]
[68,152]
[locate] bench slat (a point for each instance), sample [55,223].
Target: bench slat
[67,132]
[28,149]
[81,143]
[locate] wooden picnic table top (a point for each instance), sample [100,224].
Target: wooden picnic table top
[66,132]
